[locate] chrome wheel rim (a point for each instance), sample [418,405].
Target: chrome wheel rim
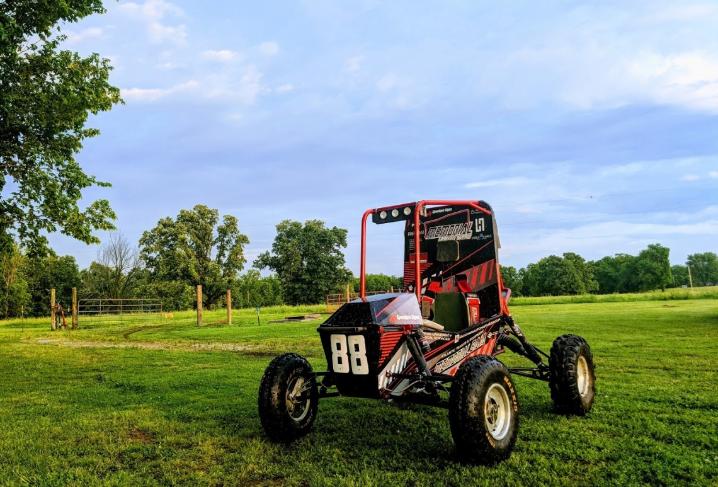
[583,377]
[497,412]
[297,398]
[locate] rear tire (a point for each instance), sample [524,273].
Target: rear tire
[288,398]
[572,380]
[483,411]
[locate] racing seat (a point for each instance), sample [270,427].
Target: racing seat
[451,311]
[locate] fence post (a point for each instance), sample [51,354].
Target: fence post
[348,293]
[199,304]
[52,308]
[74,308]
[229,306]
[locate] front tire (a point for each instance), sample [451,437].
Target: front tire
[572,379]
[288,398]
[483,411]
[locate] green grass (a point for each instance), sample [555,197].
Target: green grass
[152,400]
[710,292]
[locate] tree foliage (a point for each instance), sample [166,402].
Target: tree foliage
[554,275]
[680,275]
[195,248]
[46,272]
[654,268]
[46,96]
[14,293]
[380,282]
[308,259]
[704,268]
[512,279]
[251,290]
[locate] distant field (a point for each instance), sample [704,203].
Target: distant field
[155,400]
[710,292]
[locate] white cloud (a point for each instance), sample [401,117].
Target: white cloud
[683,12]
[269,48]
[159,32]
[221,55]
[285,88]
[624,169]
[387,82]
[690,177]
[151,9]
[76,37]
[154,94]
[487,183]
[244,90]
[169,65]
[152,13]
[688,79]
[354,64]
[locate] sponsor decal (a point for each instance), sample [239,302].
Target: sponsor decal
[457,356]
[455,231]
[411,319]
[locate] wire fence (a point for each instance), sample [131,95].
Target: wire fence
[118,306]
[333,301]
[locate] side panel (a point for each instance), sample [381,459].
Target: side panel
[353,359]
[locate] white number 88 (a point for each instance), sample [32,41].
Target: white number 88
[346,352]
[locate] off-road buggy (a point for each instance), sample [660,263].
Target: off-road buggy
[438,338]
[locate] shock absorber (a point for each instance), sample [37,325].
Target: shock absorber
[415,347]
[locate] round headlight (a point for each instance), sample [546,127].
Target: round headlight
[407,211]
[382,215]
[394,212]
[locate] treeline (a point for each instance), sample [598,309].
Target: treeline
[198,246]
[622,273]
[306,261]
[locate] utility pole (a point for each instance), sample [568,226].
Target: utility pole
[199,305]
[52,308]
[690,277]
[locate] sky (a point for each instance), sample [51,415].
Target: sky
[590,127]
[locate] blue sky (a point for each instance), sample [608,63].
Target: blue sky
[589,127]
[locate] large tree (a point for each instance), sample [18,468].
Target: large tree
[50,271]
[122,261]
[616,274]
[654,268]
[46,96]
[554,275]
[380,282]
[196,248]
[704,268]
[308,259]
[14,294]
[512,279]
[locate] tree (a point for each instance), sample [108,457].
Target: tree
[380,282]
[552,275]
[251,289]
[195,248]
[14,294]
[512,279]
[654,268]
[617,274]
[308,260]
[50,271]
[46,96]
[122,265]
[587,282]
[704,268]
[680,275]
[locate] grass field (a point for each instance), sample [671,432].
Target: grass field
[152,400]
